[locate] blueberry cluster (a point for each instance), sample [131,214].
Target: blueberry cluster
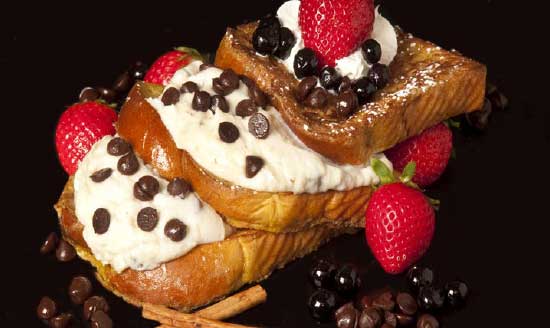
[272,39]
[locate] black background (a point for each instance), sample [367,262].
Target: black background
[489,229]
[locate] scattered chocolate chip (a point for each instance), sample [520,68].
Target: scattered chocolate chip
[330,78]
[253,165]
[305,87]
[128,164]
[138,70]
[93,304]
[318,98]
[49,244]
[201,101]
[175,230]
[258,125]
[384,301]
[365,302]
[346,103]
[123,82]
[218,87]
[258,96]
[228,132]
[170,97]
[247,81]
[147,219]
[179,187]
[204,66]
[101,175]
[346,316]
[146,188]
[101,221]
[229,80]
[107,94]
[498,100]
[65,252]
[46,309]
[246,108]
[61,321]
[189,87]
[100,319]
[403,319]
[80,289]
[479,119]
[390,319]
[406,303]
[88,94]
[370,318]
[345,85]
[220,103]
[118,147]
[427,321]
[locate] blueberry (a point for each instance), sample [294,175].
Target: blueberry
[364,88]
[266,40]
[322,273]
[380,75]
[431,298]
[305,63]
[329,78]
[322,304]
[286,42]
[270,21]
[346,280]
[456,293]
[419,277]
[372,51]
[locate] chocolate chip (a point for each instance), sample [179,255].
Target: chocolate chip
[107,94]
[403,319]
[61,321]
[384,301]
[138,70]
[201,101]
[189,87]
[65,252]
[346,103]
[258,125]
[258,96]
[100,319]
[123,82]
[218,87]
[80,289]
[220,103]
[101,175]
[179,187]
[128,164]
[479,119]
[318,98]
[46,308]
[346,316]
[88,94]
[253,165]
[229,80]
[118,147]
[101,221]
[370,318]
[427,321]
[228,132]
[247,81]
[390,319]
[205,66]
[246,108]
[147,219]
[146,188]
[345,85]
[93,304]
[498,100]
[406,303]
[175,230]
[305,87]
[49,244]
[170,97]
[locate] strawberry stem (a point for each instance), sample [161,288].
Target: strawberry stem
[191,52]
[383,171]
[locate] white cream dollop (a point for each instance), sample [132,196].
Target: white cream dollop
[353,66]
[289,165]
[125,245]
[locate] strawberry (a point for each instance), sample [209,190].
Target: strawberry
[79,127]
[335,28]
[399,227]
[166,65]
[431,151]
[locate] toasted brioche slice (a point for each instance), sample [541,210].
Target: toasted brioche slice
[141,125]
[428,86]
[208,272]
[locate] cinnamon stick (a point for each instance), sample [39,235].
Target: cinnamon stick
[235,304]
[182,320]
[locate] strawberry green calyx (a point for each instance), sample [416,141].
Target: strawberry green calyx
[382,171]
[408,173]
[194,53]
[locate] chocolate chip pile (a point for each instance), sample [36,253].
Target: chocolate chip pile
[494,100]
[95,309]
[64,252]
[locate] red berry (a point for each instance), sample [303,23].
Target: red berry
[79,128]
[335,28]
[400,224]
[166,65]
[431,151]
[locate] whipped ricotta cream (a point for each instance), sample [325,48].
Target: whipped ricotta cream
[289,166]
[125,245]
[353,66]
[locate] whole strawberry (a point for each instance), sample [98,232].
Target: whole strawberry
[335,28]
[431,151]
[399,227]
[79,128]
[166,65]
